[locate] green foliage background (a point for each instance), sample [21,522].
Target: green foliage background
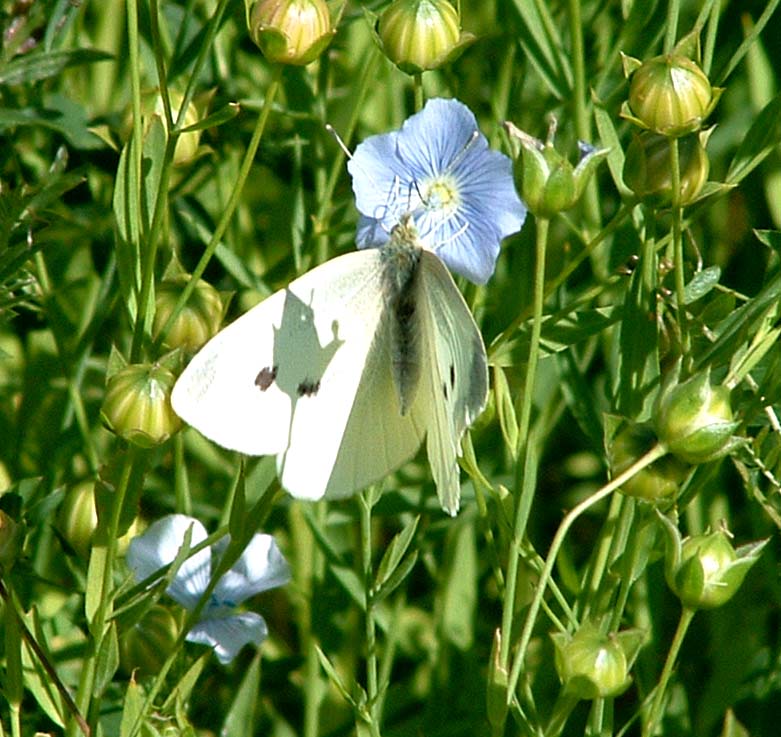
[80,231]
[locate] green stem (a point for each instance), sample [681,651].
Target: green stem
[418,89]
[230,207]
[673,12]
[531,616]
[313,685]
[591,209]
[677,244]
[372,690]
[657,706]
[525,476]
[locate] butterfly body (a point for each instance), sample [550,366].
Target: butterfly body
[344,373]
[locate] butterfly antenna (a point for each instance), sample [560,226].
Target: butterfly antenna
[339,142]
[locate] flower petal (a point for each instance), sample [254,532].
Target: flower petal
[227,635]
[260,567]
[158,547]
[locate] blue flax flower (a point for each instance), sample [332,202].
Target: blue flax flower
[439,168]
[260,567]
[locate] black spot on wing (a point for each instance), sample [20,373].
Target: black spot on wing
[265,377]
[452,376]
[308,388]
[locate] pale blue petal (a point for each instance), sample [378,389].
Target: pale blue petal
[431,140]
[371,233]
[260,567]
[380,179]
[158,547]
[227,635]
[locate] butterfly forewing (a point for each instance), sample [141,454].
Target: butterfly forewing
[454,386]
[305,375]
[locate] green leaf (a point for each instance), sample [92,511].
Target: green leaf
[543,47]
[36,679]
[132,709]
[397,577]
[395,552]
[223,115]
[638,354]
[351,583]
[241,717]
[107,660]
[335,678]
[459,597]
[608,137]
[182,691]
[702,283]
[762,138]
[34,67]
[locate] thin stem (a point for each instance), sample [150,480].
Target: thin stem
[525,469]
[657,707]
[677,243]
[531,617]
[418,88]
[591,209]
[372,691]
[673,12]
[230,207]
[313,686]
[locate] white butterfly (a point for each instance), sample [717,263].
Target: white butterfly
[342,374]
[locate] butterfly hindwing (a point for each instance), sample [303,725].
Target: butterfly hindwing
[454,382]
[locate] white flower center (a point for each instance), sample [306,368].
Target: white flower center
[441,194]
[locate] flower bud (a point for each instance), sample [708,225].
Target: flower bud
[418,35]
[669,95]
[647,168]
[291,31]
[591,665]
[197,321]
[705,571]
[659,480]
[694,420]
[78,517]
[77,520]
[546,180]
[10,542]
[147,644]
[137,405]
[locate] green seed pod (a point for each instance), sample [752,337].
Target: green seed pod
[705,571]
[694,420]
[669,95]
[198,320]
[547,182]
[145,647]
[647,168]
[77,520]
[658,481]
[291,31]
[137,405]
[591,665]
[418,35]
